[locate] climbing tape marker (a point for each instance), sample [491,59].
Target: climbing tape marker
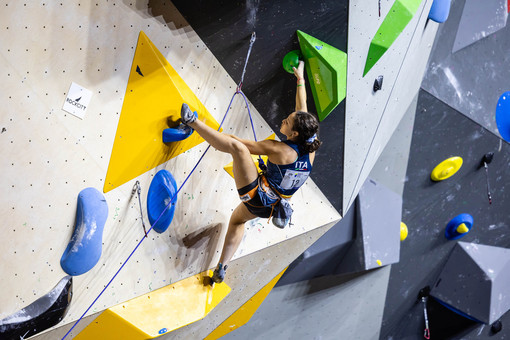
[238,91]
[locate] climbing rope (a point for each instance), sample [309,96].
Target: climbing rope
[137,186]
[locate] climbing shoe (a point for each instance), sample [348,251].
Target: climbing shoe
[219,274]
[187,117]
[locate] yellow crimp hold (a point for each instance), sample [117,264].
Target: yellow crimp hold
[446,169]
[158,312]
[403,231]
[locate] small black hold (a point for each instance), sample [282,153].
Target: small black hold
[424,292]
[487,158]
[3,130]
[138,70]
[378,83]
[496,327]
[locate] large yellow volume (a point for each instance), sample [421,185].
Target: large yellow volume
[158,312]
[152,103]
[245,312]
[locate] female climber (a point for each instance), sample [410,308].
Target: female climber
[289,165]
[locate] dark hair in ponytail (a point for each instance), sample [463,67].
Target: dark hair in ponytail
[307,125]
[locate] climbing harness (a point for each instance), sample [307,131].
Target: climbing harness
[138,189]
[238,91]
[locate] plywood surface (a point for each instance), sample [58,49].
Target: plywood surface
[48,156]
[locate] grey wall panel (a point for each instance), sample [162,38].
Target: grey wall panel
[472,79]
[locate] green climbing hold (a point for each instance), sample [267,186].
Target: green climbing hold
[326,67]
[398,17]
[291,60]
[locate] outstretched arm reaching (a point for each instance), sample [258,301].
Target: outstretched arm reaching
[300,90]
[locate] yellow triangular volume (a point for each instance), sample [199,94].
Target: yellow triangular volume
[158,312]
[245,312]
[229,168]
[152,103]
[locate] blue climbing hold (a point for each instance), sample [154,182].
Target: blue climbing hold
[440,10]
[458,226]
[85,247]
[177,134]
[503,116]
[161,200]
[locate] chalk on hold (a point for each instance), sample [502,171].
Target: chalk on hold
[85,247]
[291,60]
[439,10]
[403,231]
[177,134]
[458,226]
[43,313]
[161,200]
[446,169]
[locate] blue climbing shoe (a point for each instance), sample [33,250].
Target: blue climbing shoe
[187,117]
[219,274]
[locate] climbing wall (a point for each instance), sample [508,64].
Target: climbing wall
[371,117]
[49,156]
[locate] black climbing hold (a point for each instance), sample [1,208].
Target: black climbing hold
[138,70]
[496,327]
[43,313]
[424,292]
[378,83]
[3,130]
[487,158]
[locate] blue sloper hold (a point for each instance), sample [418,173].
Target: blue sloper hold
[84,249]
[43,313]
[440,10]
[161,200]
[503,116]
[177,134]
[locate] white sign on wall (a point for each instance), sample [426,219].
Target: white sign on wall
[77,100]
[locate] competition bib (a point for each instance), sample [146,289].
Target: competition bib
[294,179]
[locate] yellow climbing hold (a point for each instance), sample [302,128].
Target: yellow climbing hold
[379,262]
[446,168]
[403,231]
[462,228]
